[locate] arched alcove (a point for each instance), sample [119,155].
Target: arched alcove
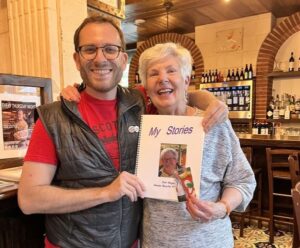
[265,60]
[162,38]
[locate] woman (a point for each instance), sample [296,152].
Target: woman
[227,180]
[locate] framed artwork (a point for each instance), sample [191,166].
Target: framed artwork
[114,8]
[19,96]
[229,40]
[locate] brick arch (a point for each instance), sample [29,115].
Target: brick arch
[162,38]
[265,60]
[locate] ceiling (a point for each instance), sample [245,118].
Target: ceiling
[184,15]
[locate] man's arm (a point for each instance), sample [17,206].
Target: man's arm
[36,195]
[215,111]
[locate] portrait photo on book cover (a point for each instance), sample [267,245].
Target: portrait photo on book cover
[172,163]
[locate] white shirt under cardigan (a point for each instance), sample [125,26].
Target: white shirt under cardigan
[168,224]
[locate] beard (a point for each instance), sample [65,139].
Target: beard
[101,83]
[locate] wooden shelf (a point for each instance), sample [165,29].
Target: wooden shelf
[281,74]
[284,120]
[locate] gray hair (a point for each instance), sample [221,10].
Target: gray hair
[160,51]
[168,150]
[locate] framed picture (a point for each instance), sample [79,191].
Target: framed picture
[114,8]
[19,96]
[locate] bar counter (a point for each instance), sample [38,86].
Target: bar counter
[269,140]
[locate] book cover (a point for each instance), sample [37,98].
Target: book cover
[170,155]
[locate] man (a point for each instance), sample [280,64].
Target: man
[79,168]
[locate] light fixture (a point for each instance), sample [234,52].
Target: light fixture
[168,5]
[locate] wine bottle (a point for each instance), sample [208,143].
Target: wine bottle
[246,76]
[250,73]
[291,62]
[232,75]
[242,76]
[228,76]
[202,78]
[237,75]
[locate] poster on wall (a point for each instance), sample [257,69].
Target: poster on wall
[16,123]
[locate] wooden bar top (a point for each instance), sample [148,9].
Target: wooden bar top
[268,140]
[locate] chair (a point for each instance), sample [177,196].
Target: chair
[279,171]
[295,175]
[257,199]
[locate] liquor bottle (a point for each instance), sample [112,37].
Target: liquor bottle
[237,75]
[193,76]
[281,108]
[137,78]
[287,112]
[276,113]
[254,128]
[228,76]
[250,73]
[270,110]
[242,76]
[291,62]
[246,76]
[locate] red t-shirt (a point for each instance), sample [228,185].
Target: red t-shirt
[101,117]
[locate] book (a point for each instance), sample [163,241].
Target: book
[169,156]
[11,174]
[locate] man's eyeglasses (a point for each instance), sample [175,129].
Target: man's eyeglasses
[89,52]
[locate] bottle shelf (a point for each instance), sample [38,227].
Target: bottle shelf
[281,74]
[284,120]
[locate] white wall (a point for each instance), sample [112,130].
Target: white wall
[63,21]
[255,29]
[291,85]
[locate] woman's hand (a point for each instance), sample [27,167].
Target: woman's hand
[216,113]
[71,93]
[205,211]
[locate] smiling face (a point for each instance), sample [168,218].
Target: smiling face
[166,86]
[169,163]
[100,75]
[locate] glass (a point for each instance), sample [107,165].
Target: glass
[89,52]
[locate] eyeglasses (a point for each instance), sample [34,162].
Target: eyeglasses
[89,52]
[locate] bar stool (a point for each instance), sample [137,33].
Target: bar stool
[253,212]
[295,175]
[278,169]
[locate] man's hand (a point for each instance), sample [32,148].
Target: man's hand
[71,93]
[126,184]
[216,113]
